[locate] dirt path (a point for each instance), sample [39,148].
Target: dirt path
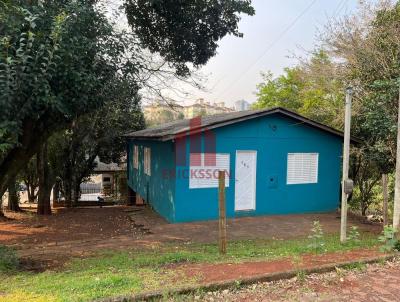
[80,232]
[373,283]
[66,225]
[49,241]
[207,273]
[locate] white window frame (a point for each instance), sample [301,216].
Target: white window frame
[135,156]
[301,172]
[147,160]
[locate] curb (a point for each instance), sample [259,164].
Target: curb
[158,295]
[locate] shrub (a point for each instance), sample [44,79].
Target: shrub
[388,239]
[8,259]
[354,234]
[317,238]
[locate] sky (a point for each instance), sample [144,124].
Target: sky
[279,30]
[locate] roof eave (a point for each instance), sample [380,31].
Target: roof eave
[190,131]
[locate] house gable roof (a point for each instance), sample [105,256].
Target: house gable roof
[171,130]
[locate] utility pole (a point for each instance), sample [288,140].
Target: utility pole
[346,156]
[396,209]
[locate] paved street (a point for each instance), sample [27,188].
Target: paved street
[371,283]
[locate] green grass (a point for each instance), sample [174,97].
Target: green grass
[265,249]
[8,259]
[357,266]
[119,273]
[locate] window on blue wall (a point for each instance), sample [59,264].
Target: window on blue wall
[136,157]
[147,161]
[302,168]
[204,168]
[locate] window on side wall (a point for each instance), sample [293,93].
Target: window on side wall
[302,168]
[136,157]
[147,161]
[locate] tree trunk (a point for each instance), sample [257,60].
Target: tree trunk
[68,193]
[28,144]
[363,209]
[1,207]
[56,191]
[31,194]
[77,191]
[43,207]
[13,198]
[396,202]
[68,184]
[385,198]
[31,190]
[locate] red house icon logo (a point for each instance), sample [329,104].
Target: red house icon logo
[195,134]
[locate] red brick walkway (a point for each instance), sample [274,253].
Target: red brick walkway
[383,285]
[374,283]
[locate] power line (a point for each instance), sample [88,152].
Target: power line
[339,8]
[280,36]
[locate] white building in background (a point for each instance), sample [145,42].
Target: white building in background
[202,107]
[242,105]
[160,113]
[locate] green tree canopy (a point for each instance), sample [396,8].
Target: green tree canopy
[185,31]
[309,88]
[363,51]
[62,59]
[95,135]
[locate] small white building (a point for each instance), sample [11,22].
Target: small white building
[106,180]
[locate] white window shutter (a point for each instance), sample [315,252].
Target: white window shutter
[202,176]
[302,168]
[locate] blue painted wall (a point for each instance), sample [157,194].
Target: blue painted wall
[158,189]
[273,137]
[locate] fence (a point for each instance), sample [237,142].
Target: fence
[116,190]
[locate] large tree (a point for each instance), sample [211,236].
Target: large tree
[57,61]
[62,59]
[96,136]
[311,88]
[366,47]
[361,51]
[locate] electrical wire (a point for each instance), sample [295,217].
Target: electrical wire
[269,47]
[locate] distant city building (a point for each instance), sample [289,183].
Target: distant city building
[242,105]
[159,113]
[202,108]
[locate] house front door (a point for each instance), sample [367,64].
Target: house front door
[245,180]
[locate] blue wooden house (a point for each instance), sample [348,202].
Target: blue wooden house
[276,162]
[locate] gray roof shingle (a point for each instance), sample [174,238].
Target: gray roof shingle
[169,131]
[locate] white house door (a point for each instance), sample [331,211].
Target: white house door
[245,180]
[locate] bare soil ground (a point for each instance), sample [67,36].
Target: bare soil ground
[371,283]
[207,273]
[65,225]
[80,232]
[49,241]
